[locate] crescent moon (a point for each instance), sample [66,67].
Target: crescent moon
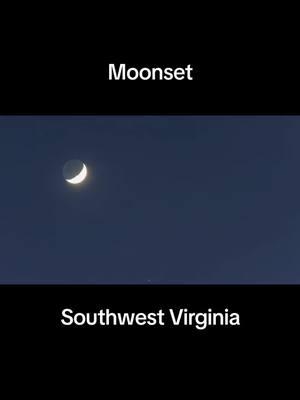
[80,177]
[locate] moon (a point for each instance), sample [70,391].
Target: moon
[75,171]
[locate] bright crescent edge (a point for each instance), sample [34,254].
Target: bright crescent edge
[80,177]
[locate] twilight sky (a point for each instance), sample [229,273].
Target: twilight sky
[191,199]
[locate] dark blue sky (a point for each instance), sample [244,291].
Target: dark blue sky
[167,200]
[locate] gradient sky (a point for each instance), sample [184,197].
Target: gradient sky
[168,200]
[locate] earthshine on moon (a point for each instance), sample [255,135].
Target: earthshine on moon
[75,171]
